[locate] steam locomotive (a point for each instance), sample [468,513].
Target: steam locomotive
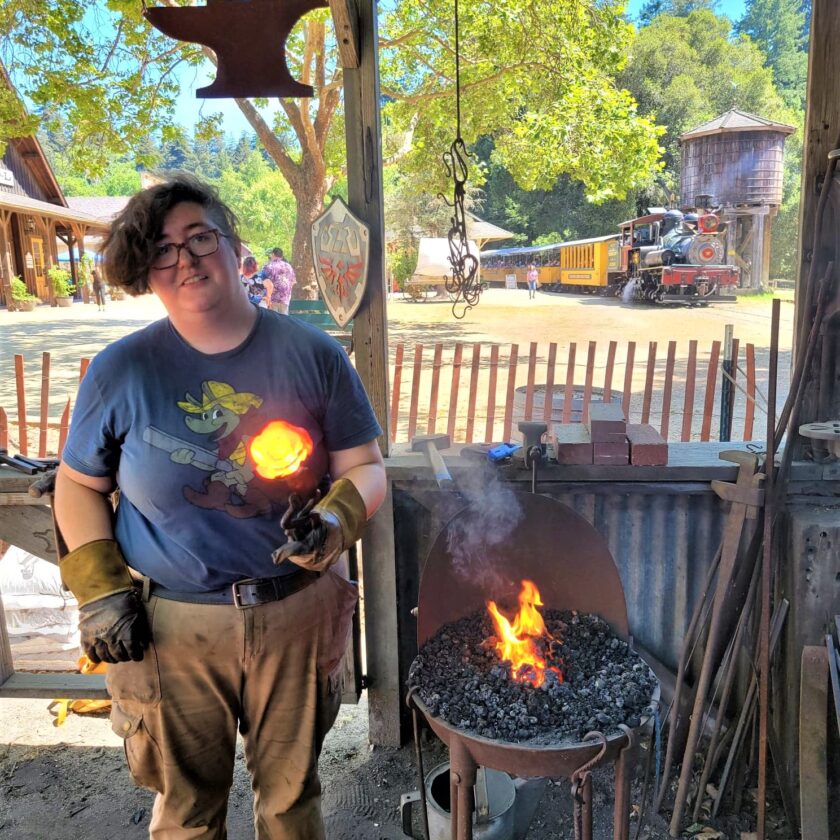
[674,255]
[665,255]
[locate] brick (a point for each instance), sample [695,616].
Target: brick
[571,443]
[610,453]
[606,423]
[647,447]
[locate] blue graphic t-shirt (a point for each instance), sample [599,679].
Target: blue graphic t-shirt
[173,425]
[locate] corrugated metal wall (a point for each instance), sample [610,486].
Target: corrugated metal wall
[663,540]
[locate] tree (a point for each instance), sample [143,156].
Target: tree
[779,28]
[677,8]
[538,76]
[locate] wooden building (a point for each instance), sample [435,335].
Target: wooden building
[34,215]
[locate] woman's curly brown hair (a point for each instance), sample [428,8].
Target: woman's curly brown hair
[131,243]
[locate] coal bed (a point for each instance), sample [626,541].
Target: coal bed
[460,678]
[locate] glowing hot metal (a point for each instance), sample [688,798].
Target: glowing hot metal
[280,449]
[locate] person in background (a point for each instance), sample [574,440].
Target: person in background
[532,277]
[282,277]
[259,289]
[218,616]
[98,289]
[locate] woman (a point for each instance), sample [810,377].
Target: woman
[215,620]
[259,289]
[282,277]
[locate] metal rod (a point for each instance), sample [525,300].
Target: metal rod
[725,384]
[766,571]
[418,753]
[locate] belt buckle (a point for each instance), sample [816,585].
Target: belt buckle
[237,597]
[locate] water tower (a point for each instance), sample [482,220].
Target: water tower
[736,162]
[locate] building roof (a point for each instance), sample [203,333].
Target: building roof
[104,207]
[482,231]
[25,204]
[736,120]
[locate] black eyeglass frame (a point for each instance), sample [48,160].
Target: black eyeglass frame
[186,246]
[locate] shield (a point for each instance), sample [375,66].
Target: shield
[341,253]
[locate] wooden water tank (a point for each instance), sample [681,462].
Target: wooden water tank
[737,159]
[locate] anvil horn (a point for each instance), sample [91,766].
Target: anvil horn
[248,38]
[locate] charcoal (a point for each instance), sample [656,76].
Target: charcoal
[460,678]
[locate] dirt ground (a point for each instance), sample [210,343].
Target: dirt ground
[71,780]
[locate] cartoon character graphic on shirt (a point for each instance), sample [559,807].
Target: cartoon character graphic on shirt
[228,419]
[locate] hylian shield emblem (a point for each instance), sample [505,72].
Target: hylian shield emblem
[340,251]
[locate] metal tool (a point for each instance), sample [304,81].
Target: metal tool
[28,466]
[431,445]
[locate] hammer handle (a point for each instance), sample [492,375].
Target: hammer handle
[442,475]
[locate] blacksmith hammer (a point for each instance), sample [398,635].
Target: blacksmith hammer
[431,446]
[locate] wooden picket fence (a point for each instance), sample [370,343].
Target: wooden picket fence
[491,387]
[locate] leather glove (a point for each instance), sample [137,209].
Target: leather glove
[114,628]
[321,529]
[112,620]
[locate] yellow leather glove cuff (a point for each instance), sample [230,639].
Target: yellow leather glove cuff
[344,502]
[94,570]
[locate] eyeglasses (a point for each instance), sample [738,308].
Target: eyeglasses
[199,245]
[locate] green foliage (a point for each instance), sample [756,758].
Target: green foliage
[779,29]
[402,262]
[60,279]
[677,8]
[537,77]
[20,292]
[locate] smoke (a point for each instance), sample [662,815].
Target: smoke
[629,291]
[479,539]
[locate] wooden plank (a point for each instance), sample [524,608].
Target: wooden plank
[365,199]
[711,380]
[529,386]
[415,390]
[688,402]
[84,364]
[813,737]
[548,400]
[395,396]
[608,372]
[628,378]
[511,391]
[749,413]
[587,384]
[665,419]
[4,429]
[569,392]
[48,686]
[453,390]
[346,22]
[491,393]
[45,404]
[29,527]
[433,397]
[651,370]
[21,404]
[474,369]
[7,668]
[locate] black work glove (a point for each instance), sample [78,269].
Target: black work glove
[319,530]
[114,628]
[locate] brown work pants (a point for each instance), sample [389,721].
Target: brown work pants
[272,672]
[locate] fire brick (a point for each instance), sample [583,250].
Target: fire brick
[610,453]
[607,423]
[647,447]
[571,442]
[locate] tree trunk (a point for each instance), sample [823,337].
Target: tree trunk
[309,203]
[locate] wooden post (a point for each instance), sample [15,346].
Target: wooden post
[364,192]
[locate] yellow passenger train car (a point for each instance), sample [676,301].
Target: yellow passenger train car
[585,265]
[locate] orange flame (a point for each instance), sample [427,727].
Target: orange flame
[516,642]
[280,449]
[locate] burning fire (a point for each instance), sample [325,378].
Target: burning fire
[517,642]
[280,449]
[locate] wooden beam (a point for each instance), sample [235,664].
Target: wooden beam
[346,21]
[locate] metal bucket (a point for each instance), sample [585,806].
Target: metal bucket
[495,796]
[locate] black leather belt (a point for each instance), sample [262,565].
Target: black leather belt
[244,593]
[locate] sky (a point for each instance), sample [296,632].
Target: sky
[192,109]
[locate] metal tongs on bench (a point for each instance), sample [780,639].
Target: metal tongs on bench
[28,466]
